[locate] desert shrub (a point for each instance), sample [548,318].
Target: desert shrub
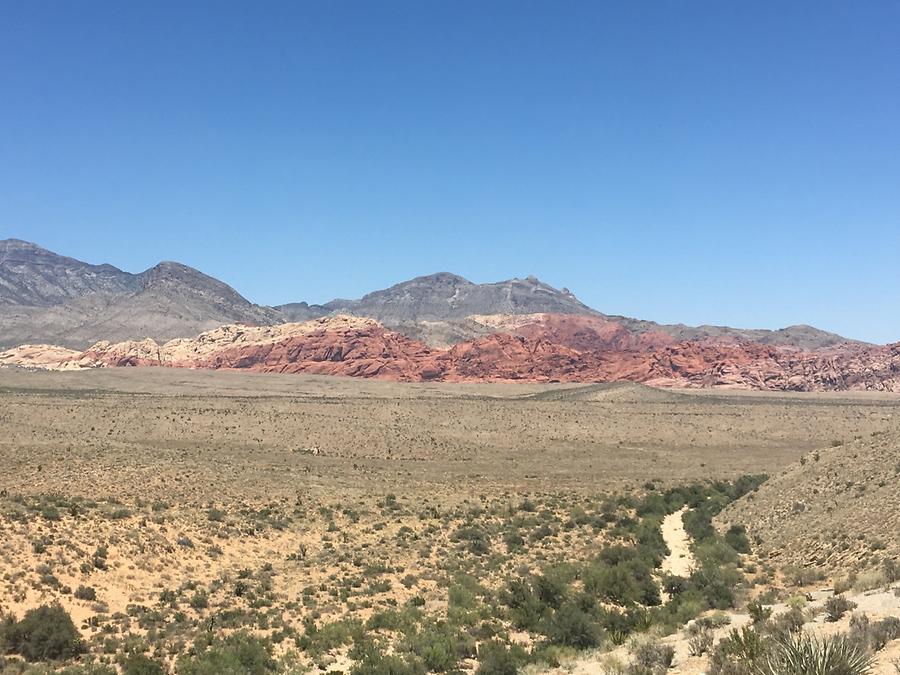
[891,570]
[673,584]
[495,658]
[238,654]
[138,664]
[716,551]
[216,515]
[550,587]
[802,576]
[569,626]
[622,576]
[885,631]
[873,635]
[869,580]
[199,600]
[786,623]
[653,656]
[618,624]
[845,583]
[653,503]
[474,539]
[86,593]
[318,640]
[651,545]
[736,538]
[715,583]
[387,619]
[526,609]
[371,661]
[440,646]
[736,652]
[836,606]
[514,541]
[43,634]
[700,638]
[759,613]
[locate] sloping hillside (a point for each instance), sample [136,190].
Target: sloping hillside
[838,509]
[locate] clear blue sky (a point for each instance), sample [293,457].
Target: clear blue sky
[704,162]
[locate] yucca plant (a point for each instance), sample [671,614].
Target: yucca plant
[805,655]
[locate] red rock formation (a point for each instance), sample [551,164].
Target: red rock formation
[545,348]
[590,333]
[369,351]
[512,358]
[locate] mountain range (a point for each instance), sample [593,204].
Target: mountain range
[47,297]
[60,312]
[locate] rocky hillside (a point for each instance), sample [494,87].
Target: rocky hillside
[832,510]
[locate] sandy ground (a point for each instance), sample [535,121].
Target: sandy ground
[680,560]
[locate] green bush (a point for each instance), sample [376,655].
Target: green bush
[700,638]
[526,609]
[786,623]
[618,625]
[836,606]
[759,613]
[319,640]
[138,664]
[238,654]
[440,646]
[736,538]
[44,634]
[86,593]
[873,636]
[716,583]
[569,626]
[653,656]
[494,658]
[371,661]
[627,581]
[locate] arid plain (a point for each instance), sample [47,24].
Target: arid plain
[195,436]
[333,516]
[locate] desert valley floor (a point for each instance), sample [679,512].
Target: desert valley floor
[186,502]
[201,435]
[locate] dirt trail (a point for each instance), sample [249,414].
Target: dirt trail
[680,560]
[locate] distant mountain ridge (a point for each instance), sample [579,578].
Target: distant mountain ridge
[50,298]
[438,308]
[33,276]
[444,296]
[45,297]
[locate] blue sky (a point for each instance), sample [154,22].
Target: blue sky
[702,162]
